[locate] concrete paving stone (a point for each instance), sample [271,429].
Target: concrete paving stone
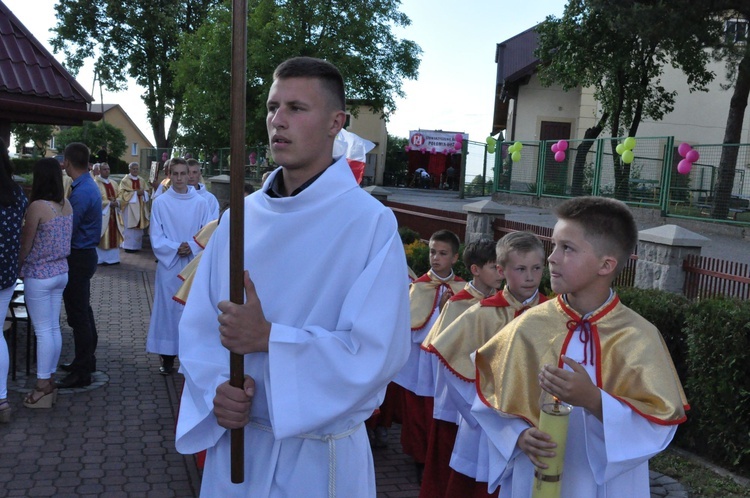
[136,487]
[42,490]
[90,488]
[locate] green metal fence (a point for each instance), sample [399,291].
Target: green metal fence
[651,180]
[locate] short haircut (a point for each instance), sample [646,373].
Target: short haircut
[177,160]
[448,237]
[77,154]
[520,242]
[310,67]
[193,162]
[134,163]
[608,224]
[47,184]
[479,252]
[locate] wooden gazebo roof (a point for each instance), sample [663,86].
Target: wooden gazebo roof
[34,87]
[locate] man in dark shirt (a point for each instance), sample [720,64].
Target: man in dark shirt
[87,229]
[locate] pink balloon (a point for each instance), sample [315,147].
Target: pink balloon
[459,138]
[559,156]
[407,148]
[555,148]
[692,155]
[432,151]
[423,149]
[458,145]
[164,156]
[562,145]
[683,149]
[684,167]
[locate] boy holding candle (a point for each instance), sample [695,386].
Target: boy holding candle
[520,260]
[427,296]
[587,349]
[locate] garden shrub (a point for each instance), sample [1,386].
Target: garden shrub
[718,385]
[667,312]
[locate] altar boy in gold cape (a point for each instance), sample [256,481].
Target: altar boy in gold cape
[589,350]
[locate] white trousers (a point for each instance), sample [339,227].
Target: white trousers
[44,301]
[5,296]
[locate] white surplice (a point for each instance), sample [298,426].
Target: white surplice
[175,218]
[328,266]
[606,459]
[211,200]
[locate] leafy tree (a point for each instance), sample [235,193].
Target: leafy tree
[736,52]
[620,49]
[355,36]
[95,136]
[396,161]
[138,38]
[38,134]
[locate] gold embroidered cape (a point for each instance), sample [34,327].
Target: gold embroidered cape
[187,275]
[453,309]
[423,296]
[474,328]
[111,236]
[633,363]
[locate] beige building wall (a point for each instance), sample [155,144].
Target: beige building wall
[698,117]
[135,140]
[371,126]
[537,103]
[117,117]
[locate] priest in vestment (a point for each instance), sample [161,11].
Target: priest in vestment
[134,197]
[108,250]
[177,215]
[327,313]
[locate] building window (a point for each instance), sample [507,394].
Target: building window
[737,30]
[134,149]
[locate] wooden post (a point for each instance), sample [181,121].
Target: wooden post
[236,204]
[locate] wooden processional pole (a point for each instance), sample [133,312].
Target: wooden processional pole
[237,211]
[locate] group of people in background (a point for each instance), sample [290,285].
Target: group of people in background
[51,244]
[77,218]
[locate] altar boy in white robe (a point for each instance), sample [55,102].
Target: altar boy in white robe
[176,216]
[326,320]
[589,350]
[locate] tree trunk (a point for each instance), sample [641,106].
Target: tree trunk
[579,166]
[732,136]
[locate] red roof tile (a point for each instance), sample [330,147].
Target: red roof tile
[34,87]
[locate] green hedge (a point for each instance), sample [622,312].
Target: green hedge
[710,344]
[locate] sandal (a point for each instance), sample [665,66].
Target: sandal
[5,411]
[43,397]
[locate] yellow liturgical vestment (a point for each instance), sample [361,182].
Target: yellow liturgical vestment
[632,360]
[423,296]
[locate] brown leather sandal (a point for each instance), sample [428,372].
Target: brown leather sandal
[43,397]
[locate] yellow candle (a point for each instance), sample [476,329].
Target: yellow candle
[553,420]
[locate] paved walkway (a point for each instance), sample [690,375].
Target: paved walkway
[115,438]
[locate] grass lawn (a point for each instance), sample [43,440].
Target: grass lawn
[700,481]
